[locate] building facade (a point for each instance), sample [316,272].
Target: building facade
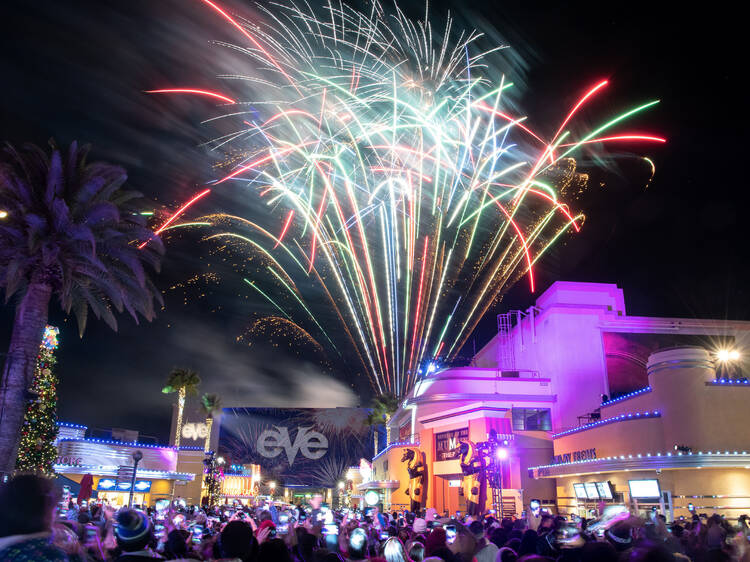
[681,440]
[163,472]
[540,383]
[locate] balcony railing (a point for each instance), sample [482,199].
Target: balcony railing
[412,439]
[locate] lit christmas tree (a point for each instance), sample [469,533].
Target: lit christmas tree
[36,452]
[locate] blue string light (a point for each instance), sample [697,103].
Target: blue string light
[123,443]
[72,425]
[615,419]
[145,472]
[626,396]
[725,382]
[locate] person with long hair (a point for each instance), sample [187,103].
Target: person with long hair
[393,551]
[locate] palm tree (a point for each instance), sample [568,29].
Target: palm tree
[184,382]
[210,404]
[68,229]
[383,407]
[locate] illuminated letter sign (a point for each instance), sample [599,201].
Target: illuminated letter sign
[311,444]
[194,431]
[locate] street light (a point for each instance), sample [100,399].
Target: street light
[273,488]
[137,456]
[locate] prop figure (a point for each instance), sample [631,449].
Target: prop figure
[475,479]
[417,469]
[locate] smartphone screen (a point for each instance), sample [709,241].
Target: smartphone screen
[535,505]
[197,533]
[450,533]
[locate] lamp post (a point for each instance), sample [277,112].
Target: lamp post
[137,456]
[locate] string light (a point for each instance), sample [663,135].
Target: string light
[123,443]
[615,419]
[72,425]
[644,455]
[36,451]
[626,396]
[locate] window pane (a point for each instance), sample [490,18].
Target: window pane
[531,419]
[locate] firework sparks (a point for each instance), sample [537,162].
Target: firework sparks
[398,181]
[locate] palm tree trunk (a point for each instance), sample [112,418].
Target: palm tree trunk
[209,423]
[180,409]
[28,328]
[375,434]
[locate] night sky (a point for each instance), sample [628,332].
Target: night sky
[77,70]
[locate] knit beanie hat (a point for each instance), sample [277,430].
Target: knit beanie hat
[132,528]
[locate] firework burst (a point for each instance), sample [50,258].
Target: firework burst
[403,194]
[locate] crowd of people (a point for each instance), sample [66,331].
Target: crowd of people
[35,527]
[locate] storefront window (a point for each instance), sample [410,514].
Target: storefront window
[531,419]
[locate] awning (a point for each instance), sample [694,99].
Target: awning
[380,485]
[113,471]
[646,461]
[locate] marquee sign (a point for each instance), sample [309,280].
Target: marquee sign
[447,442]
[583,455]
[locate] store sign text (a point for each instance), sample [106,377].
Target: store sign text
[583,455]
[69,461]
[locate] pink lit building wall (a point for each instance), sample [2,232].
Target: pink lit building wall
[579,336]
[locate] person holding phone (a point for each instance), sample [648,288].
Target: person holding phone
[534,515]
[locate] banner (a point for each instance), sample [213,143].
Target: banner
[311,447]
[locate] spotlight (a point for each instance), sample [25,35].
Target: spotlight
[502,453]
[725,355]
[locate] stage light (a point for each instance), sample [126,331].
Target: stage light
[341,485]
[502,453]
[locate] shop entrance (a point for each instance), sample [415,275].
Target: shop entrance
[120,499]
